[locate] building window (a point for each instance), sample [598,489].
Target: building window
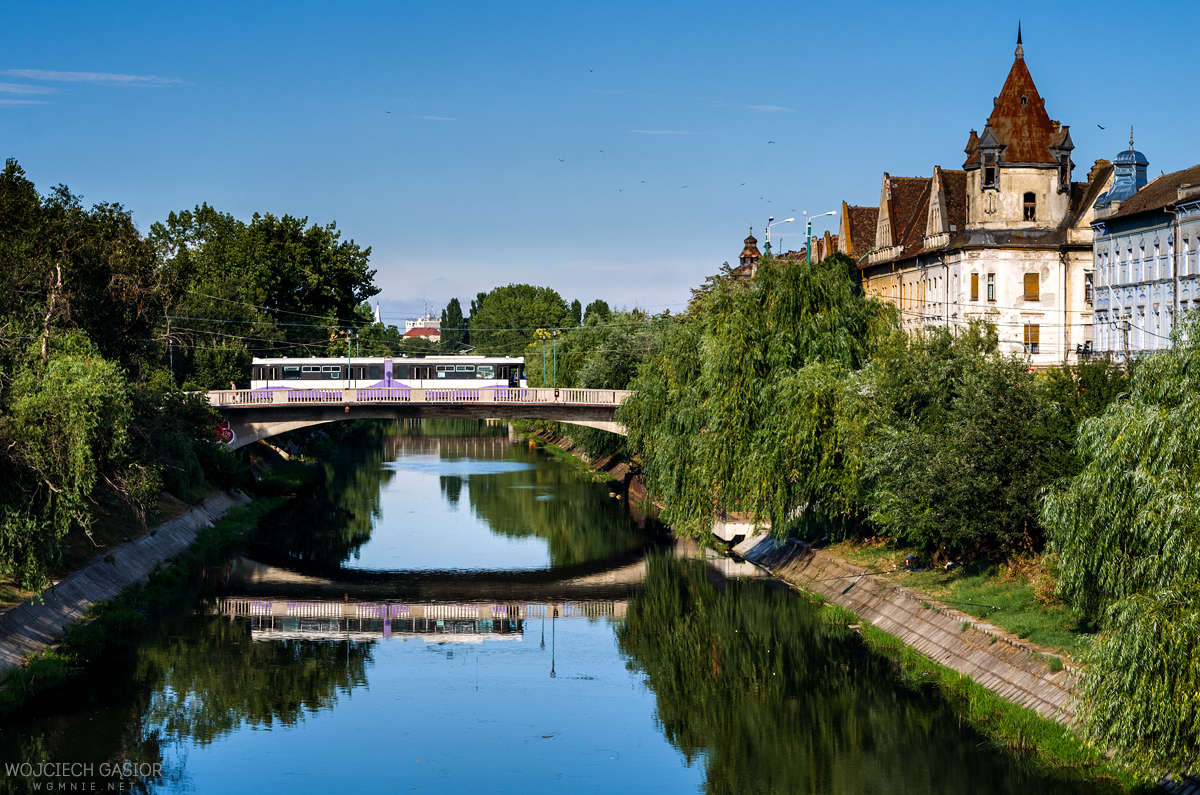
[1087,288]
[991,285]
[989,171]
[1033,335]
[974,286]
[1030,207]
[1031,287]
[1064,170]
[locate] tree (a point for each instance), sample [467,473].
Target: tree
[454,326]
[269,286]
[503,321]
[598,310]
[577,311]
[1126,529]
[748,406]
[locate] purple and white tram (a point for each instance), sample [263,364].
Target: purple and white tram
[473,372]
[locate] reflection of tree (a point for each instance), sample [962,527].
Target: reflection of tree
[775,700]
[215,679]
[451,487]
[192,683]
[577,519]
[331,520]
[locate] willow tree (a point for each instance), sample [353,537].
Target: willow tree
[1127,530]
[752,406]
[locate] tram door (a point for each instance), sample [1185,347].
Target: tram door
[514,377]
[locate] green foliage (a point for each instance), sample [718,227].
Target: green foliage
[68,422]
[751,405]
[969,443]
[503,321]
[577,311]
[229,285]
[597,309]
[454,327]
[1127,531]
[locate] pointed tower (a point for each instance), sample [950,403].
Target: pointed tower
[1019,168]
[750,253]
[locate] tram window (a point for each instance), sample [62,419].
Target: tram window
[373,371]
[331,372]
[442,368]
[466,368]
[485,371]
[310,369]
[401,371]
[291,373]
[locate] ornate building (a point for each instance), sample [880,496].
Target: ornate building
[1147,256]
[1006,238]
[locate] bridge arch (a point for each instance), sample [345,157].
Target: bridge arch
[261,414]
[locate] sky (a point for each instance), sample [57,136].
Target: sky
[613,150]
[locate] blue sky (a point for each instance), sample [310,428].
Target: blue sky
[600,149]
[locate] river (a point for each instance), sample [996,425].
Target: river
[452,610]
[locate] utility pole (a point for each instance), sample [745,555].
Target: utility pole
[1125,334]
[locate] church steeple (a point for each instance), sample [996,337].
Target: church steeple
[1020,53]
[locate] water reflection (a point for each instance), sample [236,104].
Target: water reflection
[602,669]
[749,679]
[451,494]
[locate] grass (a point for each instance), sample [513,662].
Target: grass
[1016,597]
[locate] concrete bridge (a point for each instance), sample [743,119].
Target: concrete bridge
[254,414]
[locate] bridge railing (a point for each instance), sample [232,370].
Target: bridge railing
[230,398]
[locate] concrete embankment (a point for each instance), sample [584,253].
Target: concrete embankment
[37,624]
[1006,665]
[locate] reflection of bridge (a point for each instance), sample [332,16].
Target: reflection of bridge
[255,414]
[470,622]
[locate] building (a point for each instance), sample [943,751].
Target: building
[434,335]
[748,259]
[1147,256]
[1007,238]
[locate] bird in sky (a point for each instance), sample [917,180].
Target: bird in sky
[770,142]
[743,183]
[620,190]
[561,160]
[387,111]
[643,182]
[685,186]
[1100,126]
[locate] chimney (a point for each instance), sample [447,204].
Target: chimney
[1097,167]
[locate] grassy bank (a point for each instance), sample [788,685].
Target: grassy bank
[121,622]
[1015,595]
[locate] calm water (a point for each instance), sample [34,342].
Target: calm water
[453,611]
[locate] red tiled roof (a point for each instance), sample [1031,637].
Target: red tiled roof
[862,222]
[954,185]
[423,332]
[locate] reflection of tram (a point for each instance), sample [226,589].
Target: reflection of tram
[431,371]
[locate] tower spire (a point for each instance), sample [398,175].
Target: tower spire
[1020,50]
[1131,138]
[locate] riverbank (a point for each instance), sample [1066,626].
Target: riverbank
[1015,692]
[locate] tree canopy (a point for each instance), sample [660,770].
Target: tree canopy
[503,321]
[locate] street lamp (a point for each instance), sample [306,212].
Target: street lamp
[769,225]
[808,231]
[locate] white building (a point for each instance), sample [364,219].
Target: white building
[1147,256]
[1007,239]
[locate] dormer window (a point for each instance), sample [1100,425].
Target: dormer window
[1030,206]
[1064,170]
[989,171]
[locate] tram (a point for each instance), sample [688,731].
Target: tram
[474,372]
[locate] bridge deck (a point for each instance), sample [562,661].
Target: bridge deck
[256,398]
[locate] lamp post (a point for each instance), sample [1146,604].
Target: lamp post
[808,231]
[769,225]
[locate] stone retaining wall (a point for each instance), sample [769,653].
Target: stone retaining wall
[35,625]
[1011,668]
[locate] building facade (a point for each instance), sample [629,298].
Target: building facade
[1007,238]
[1147,256]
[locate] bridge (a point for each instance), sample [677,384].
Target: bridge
[254,414]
